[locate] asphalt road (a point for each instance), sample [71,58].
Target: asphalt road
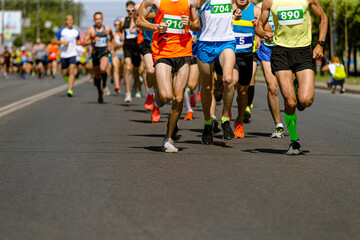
[75,169]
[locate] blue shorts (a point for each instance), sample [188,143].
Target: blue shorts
[66,62]
[264,53]
[207,52]
[334,82]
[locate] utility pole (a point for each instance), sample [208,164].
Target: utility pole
[38,19]
[23,27]
[346,43]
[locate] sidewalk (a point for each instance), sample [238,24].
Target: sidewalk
[349,88]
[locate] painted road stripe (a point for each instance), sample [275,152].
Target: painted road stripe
[30,100]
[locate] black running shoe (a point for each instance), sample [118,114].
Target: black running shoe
[206,137]
[215,127]
[296,86]
[100,98]
[294,148]
[228,132]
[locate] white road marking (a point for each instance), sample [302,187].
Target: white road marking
[30,100]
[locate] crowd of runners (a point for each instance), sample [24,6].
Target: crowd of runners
[184,50]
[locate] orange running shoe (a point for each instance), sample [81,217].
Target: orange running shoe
[189,116]
[155,116]
[199,96]
[239,130]
[149,103]
[117,89]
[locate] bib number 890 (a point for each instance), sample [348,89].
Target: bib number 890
[290,15]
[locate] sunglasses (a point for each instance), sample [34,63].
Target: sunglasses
[130,10]
[116,24]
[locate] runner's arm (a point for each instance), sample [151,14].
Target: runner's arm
[193,21]
[87,39]
[261,29]
[318,52]
[142,23]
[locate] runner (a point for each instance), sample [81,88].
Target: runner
[244,30]
[68,37]
[101,38]
[53,54]
[264,55]
[292,54]
[6,62]
[145,50]
[172,52]
[131,51]
[216,41]
[39,51]
[118,58]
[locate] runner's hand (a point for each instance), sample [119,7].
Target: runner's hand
[318,52]
[255,22]
[66,43]
[132,30]
[185,20]
[237,14]
[162,27]
[268,36]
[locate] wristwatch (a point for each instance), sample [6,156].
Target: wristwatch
[322,43]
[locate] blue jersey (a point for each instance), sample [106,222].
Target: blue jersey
[148,34]
[244,30]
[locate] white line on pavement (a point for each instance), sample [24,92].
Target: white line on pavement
[30,100]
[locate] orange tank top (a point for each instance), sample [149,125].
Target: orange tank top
[177,41]
[140,38]
[53,52]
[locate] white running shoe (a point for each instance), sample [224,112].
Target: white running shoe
[279,133]
[128,97]
[138,94]
[168,146]
[106,91]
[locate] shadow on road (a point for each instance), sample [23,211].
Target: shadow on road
[144,121]
[215,143]
[155,148]
[271,151]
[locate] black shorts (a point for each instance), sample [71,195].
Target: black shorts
[255,58]
[145,47]
[37,61]
[66,62]
[193,61]
[97,55]
[294,59]
[175,63]
[244,66]
[132,51]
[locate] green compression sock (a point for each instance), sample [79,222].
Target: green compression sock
[209,122]
[291,125]
[225,119]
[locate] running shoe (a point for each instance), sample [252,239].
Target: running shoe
[294,148]
[206,137]
[117,89]
[158,100]
[189,116]
[199,96]
[342,90]
[149,103]
[215,126]
[69,93]
[279,133]
[128,97]
[296,86]
[106,91]
[228,132]
[333,89]
[100,98]
[155,116]
[168,146]
[66,78]
[138,94]
[247,115]
[192,100]
[239,130]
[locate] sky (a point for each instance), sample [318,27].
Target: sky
[110,8]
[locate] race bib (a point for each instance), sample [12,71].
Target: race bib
[130,35]
[174,24]
[102,42]
[220,8]
[290,15]
[243,40]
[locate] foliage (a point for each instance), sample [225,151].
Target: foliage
[50,10]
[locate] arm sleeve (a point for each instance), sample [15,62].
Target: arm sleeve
[58,34]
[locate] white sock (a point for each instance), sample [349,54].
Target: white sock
[279,125]
[187,101]
[213,117]
[150,91]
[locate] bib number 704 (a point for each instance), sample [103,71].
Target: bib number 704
[221,8]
